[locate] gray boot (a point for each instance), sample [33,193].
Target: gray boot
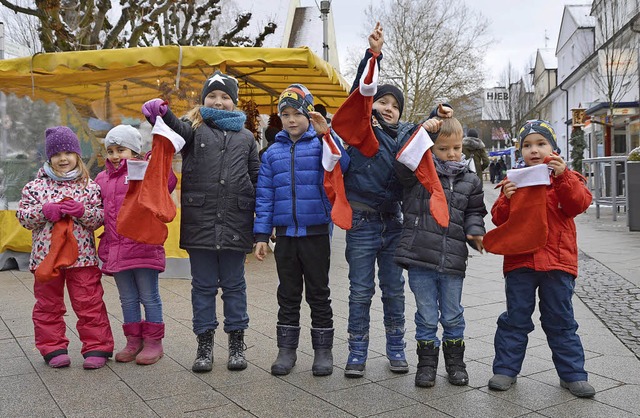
[322,341]
[204,355]
[288,337]
[236,351]
[428,355]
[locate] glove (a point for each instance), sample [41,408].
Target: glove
[72,208]
[154,108]
[52,211]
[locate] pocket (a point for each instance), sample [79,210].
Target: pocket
[193,199]
[246,203]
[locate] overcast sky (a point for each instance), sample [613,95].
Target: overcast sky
[518,27]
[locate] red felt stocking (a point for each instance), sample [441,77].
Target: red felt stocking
[154,193]
[63,251]
[416,154]
[341,212]
[138,222]
[526,229]
[352,120]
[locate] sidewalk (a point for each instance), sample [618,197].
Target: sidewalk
[30,388]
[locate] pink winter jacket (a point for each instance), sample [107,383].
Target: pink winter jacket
[44,190]
[117,252]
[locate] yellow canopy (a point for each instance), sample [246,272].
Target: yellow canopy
[114,83]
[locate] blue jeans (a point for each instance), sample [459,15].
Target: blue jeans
[139,286]
[438,297]
[555,289]
[374,237]
[211,270]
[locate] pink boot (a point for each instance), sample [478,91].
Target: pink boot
[152,334]
[59,361]
[133,332]
[94,362]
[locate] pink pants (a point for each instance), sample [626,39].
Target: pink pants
[85,292]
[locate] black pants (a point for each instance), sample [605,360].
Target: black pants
[304,260]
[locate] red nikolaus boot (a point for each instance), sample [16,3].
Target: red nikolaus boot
[63,251]
[148,205]
[416,154]
[527,215]
[341,212]
[352,121]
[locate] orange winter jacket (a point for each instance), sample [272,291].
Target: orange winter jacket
[567,197]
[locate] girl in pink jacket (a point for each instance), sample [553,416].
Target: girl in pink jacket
[63,195]
[135,266]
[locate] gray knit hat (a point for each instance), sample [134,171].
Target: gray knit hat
[125,136]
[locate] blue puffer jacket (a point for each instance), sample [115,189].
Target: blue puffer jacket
[290,193]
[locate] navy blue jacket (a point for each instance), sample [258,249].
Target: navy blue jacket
[290,194]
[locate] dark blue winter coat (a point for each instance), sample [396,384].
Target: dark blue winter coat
[290,195]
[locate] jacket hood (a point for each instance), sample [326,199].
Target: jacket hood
[472,143]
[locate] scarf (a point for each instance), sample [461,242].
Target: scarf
[224,119]
[390,129]
[450,168]
[71,175]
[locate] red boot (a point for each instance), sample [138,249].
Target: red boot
[133,332]
[152,335]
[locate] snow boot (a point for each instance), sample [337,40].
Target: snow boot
[357,359]
[453,360]
[288,337]
[428,355]
[322,341]
[152,335]
[133,332]
[395,351]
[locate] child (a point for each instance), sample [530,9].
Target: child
[134,266]
[436,257]
[551,270]
[374,194]
[63,192]
[292,199]
[219,173]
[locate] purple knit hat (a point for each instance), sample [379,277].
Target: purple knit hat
[61,138]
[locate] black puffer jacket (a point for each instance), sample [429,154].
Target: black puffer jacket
[426,244]
[219,176]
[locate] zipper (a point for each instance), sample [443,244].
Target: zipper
[446,230]
[293,188]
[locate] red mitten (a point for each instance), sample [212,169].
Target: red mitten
[52,211]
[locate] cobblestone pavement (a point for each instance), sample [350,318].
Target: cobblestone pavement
[614,299]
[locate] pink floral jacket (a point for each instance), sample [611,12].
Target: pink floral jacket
[44,190]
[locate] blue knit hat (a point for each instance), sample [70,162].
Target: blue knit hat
[59,139]
[541,127]
[298,97]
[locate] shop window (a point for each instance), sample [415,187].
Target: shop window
[619,142]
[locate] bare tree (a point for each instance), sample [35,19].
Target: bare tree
[433,49]
[617,65]
[24,28]
[70,25]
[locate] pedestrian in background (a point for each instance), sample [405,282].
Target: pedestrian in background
[219,174]
[474,150]
[436,257]
[62,207]
[134,266]
[550,270]
[291,198]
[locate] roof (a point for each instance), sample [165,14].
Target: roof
[126,78]
[549,59]
[581,14]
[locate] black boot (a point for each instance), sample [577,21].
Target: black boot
[288,337]
[236,351]
[453,355]
[204,355]
[322,341]
[428,355]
